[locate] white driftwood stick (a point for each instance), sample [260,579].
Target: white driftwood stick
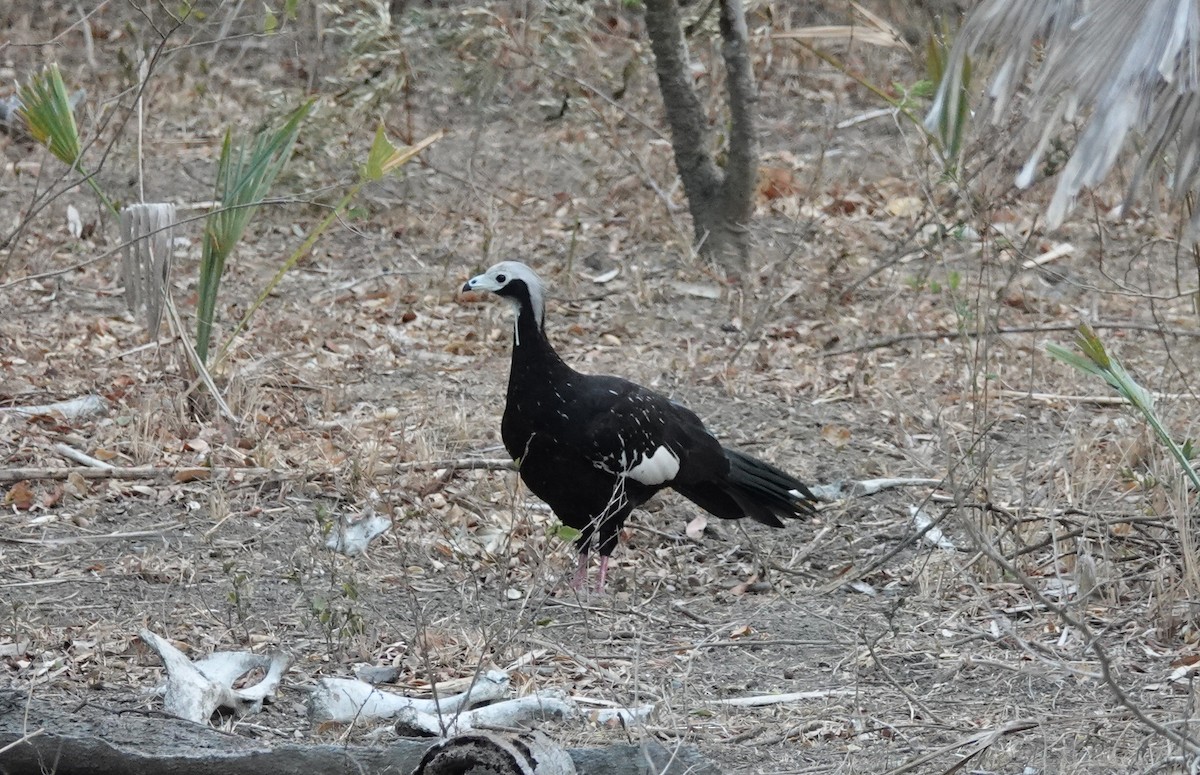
[72,409]
[839,490]
[507,713]
[346,699]
[930,532]
[1055,253]
[70,453]
[780,699]
[627,716]
[195,694]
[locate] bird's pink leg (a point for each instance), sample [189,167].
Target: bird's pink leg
[581,572]
[603,573]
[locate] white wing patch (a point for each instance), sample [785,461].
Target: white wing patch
[657,468]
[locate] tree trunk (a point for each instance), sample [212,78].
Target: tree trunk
[720,201]
[82,739]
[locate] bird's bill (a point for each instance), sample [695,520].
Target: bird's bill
[481,282]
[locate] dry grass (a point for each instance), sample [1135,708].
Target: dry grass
[1072,524]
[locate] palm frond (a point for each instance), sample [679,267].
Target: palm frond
[147,237]
[49,117]
[1094,359]
[245,173]
[383,159]
[1124,67]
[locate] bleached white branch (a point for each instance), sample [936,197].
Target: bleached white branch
[347,699]
[352,536]
[507,713]
[839,490]
[195,690]
[71,409]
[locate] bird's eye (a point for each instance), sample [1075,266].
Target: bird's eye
[500,278]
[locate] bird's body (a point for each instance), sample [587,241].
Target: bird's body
[596,447]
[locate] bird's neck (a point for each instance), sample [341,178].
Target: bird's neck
[533,355]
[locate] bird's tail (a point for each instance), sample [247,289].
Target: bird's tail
[754,489]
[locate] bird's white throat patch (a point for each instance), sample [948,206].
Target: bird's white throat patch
[657,468]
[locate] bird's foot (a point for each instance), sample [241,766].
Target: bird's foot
[579,581]
[603,574]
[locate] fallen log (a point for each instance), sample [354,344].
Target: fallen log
[90,739]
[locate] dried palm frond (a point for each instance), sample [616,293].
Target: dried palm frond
[1122,67]
[148,237]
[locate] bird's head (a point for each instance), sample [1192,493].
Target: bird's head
[515,283]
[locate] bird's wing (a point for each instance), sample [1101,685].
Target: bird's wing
[637,433]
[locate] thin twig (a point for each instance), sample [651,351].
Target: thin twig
[980,740]
[464,464]
[1184,741]
[23,739]
[762,700]
[1098,400]
[887,676]
[66,540]
[205,472]
[140,472]
[197,365]
[913,336]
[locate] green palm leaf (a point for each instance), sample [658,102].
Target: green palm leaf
[1093,359]
[49,117]
[245,173]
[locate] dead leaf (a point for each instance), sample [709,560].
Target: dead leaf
[20,496]
[54,497]
[192,474]
[1185,660]
[905,206]
[198,445]
[699,291]
[836,435]
[741,632]
[775,182]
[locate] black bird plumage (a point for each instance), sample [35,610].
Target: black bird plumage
[596,447]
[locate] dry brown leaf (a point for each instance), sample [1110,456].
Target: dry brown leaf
[198,445]
[775,182]
[836,435]
[53,497]
[192,474]
[20,496]
[1186,659]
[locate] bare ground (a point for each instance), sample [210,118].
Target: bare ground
[1053,639]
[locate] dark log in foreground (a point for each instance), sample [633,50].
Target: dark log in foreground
[98,741]
[490,753]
